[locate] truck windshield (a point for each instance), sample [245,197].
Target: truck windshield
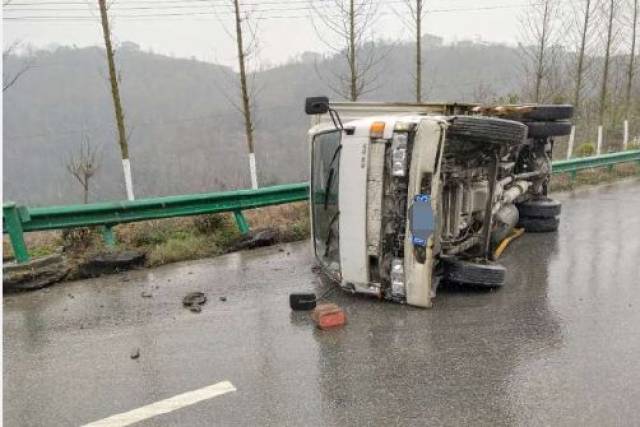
[325,177]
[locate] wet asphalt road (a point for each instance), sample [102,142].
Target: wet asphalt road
[558,345]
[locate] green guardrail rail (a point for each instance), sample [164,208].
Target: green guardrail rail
[572,166]
[21,219]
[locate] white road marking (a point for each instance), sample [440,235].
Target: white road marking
[164,406]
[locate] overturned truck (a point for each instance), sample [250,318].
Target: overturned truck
[404,196]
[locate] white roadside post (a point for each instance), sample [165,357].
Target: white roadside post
[625,137]
[572,136]
[128,181]
[252,168]
[599,145]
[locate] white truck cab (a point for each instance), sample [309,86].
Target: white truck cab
[406,195]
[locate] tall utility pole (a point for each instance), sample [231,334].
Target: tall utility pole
[244,92]
[115,93]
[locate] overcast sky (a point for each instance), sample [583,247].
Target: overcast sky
[285,28]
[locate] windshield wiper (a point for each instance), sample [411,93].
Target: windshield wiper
[329,182]
[330,233]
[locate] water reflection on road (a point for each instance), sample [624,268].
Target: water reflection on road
[557,345]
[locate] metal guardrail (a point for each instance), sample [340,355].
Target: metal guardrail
[572,166]
[20,219]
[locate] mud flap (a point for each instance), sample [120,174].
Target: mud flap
[425,163]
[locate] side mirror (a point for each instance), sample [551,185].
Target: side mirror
[316,105]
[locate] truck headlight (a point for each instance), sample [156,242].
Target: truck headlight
[397,277]
[399,154]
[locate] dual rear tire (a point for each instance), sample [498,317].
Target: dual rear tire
[540,215]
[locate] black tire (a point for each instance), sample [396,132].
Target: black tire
[549,112]
[539,225]
[540,130]
[302,302]
[486,129]
[541,208]
[482,273]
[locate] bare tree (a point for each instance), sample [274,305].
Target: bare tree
[117,103]
[608,50]
[581,64]
[10,80]
[246,107]
[414,22]
[349,23]
[632,57]
[83,165]
[539,35]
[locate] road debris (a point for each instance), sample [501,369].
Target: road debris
[146,294]
[194,301]
[328,316]
[223,299]
[135,353]
[302,301]
[257,239]
[112,262]
[34,274]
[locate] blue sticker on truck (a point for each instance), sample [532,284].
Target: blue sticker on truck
[421,221]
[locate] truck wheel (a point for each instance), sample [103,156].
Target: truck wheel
[481,272]
[540,130]
[539,225]
[548,112]
[542,208]
[486,129]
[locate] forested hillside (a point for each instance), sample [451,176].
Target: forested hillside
[185,134]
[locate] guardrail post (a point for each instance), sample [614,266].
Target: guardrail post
[243,225]
[625,135]
[599,144]
[16,235]
[107,235]
[573,176]
[572,136]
